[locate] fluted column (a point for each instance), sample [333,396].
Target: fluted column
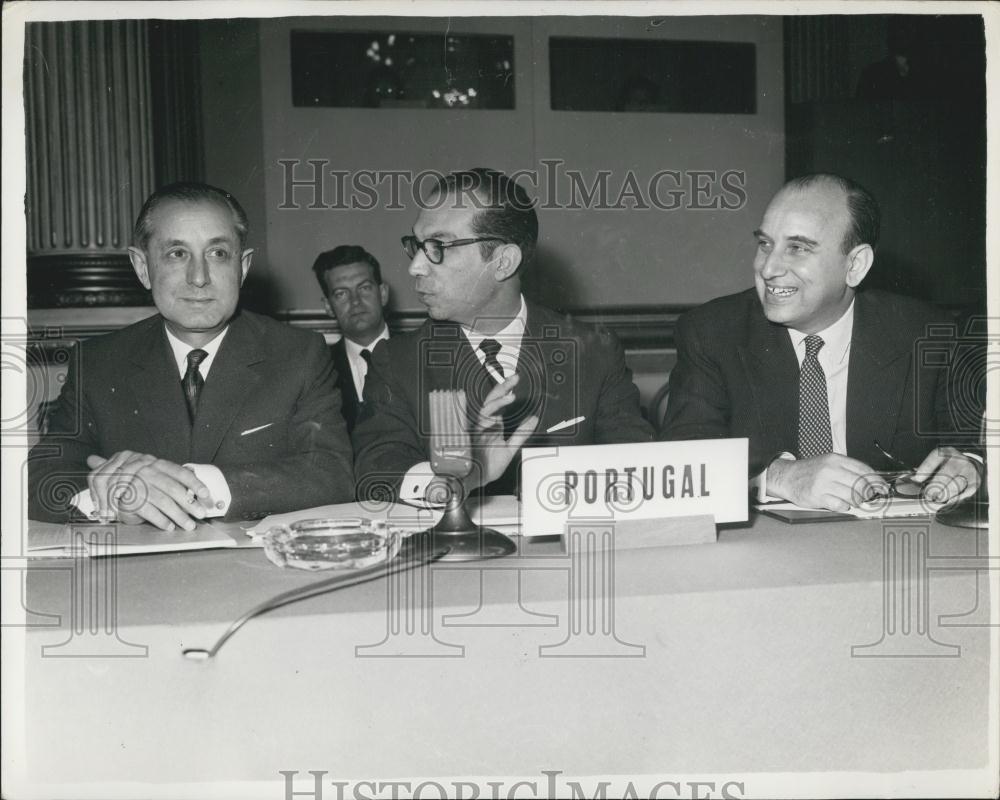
[90,159]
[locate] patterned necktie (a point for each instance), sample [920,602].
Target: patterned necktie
[193,382]
[490,348]
[814,410]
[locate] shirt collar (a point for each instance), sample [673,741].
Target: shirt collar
[354,349]
[509,336]
[836,337]
[181,349]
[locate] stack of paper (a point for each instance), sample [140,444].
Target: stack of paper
[46,540]
[884,508]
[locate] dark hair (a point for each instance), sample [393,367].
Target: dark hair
[866,218]
[345,254]
[505,210]
[188,192]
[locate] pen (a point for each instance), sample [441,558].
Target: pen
[566,423]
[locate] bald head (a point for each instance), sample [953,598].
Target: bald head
[864,216]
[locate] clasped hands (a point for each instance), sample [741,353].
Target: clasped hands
[839,483]
[137,488]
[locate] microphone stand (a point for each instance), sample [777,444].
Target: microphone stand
[451,459]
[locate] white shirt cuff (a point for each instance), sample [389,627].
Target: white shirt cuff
[759,482]
[220,498]
[413,489]
[84,503]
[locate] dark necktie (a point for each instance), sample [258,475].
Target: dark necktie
[511,415]
[814,409]
[366,356]
[193,382]
[490,348]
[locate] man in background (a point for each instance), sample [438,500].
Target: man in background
[817,373]
[355,295]
[202,410]
[531,376]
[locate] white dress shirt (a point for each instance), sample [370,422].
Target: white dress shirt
[834,358]
[220,496]
[417,477]
[509,338]
[359,367]
[181,350]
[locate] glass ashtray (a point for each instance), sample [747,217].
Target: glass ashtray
[315,544]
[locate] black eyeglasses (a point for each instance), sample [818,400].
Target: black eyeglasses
[890,456]
[434,248]
[900,481]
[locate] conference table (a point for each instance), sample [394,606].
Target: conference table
[779,659]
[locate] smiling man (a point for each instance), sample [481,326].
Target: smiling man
[819,375]
[201,410]
[355,296]
[531,376]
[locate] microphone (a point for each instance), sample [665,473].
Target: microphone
[451,458]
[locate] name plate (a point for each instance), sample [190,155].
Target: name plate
[628,482]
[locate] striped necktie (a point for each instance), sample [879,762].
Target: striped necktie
[491,348]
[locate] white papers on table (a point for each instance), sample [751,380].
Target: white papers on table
[884,508]
[46,540]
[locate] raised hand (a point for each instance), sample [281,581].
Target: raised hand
[490,450]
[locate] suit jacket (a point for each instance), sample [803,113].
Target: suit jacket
[349,401]
[737,375]
[567,370]
[266,376]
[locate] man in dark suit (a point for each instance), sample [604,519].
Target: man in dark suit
[201,410]
[355,295]
[531,376]
[821,377]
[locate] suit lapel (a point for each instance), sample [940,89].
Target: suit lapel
[876,380]
[772,374]
[231,381]
[444,360]
[548,370]
[156,385]
[345,377]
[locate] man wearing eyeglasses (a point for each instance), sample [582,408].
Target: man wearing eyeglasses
[355,295]
[531,376]
[824,379]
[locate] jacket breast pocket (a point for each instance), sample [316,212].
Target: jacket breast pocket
[262,438]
